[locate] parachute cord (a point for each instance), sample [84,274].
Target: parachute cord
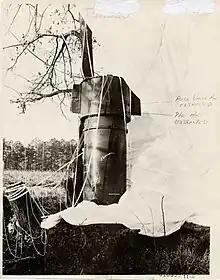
[123,103]
[92,154]
[33,211]
[31,236]
[7,241]
[125,124]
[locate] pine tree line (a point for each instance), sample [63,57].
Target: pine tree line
[37,155]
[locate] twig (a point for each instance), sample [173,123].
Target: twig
[19,7]
[70,33]
[41,95]
[18,259]
[163,216]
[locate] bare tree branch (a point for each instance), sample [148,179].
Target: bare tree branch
[57,74]
[39,96]
[35,22]
[72,32]
[19,7]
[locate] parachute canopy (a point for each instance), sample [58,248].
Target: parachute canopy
[170,62]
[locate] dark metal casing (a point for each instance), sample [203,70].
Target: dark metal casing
[105,104]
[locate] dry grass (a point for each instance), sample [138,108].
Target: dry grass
[50,193]
[31,178]
[106,249]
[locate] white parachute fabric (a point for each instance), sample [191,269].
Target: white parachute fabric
[173,169]
[159,199]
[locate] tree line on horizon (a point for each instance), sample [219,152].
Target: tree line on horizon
[37,155]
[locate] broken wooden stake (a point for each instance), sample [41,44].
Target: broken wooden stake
[25,209]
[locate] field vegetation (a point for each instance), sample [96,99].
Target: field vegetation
[99,249]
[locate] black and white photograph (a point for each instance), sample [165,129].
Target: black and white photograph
[110,138]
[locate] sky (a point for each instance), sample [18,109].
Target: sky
[44,121]
[41,120]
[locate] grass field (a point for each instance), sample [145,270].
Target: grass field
[50,196]
[102,249]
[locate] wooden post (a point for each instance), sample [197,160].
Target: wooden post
[24,207]
[73,192]
[7,210]
[26,237]
[87,54]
